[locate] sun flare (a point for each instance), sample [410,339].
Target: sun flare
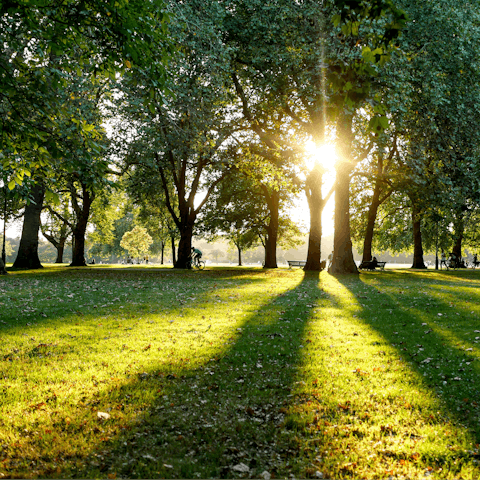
[324,154]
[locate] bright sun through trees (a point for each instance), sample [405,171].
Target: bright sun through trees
[324,154]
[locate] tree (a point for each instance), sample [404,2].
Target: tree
[136,242]
[183,141]
[433,121]
[57,231]
[237,212]
[27,255]
[42,40]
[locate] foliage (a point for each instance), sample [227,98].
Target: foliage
[46,44]
[136,242]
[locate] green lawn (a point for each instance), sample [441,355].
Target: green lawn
[148,373]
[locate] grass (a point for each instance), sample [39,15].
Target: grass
[150,373]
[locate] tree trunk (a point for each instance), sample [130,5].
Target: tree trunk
[185,244]
[239,256]
[343,261]
[3,270]
[58,244]
[372,216]
[459,232]
[82,213]
[313,190]
[273,202]
[172,239]
[60,251]
[417,238]
[27,256]
[78,250]
[162,252]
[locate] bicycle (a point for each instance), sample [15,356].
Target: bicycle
[196,263]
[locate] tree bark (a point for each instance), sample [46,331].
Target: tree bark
[3,270]
[372,216]
[172,239]
[459,233]
[83,213]
[185,245]
[313,191]
[60,251]
[273,202]
[343,261]
[27,256]
[417,238]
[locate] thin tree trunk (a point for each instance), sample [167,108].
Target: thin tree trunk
[58,244]
[239,256]
[27,256]
[273,202]
[172,239]
[60,251]
[372,216]
[417,238]
[343,261]
[162,252]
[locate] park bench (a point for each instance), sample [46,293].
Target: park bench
[296,263]
[371,265]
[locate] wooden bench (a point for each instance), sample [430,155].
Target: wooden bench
[296,263]
[371,265]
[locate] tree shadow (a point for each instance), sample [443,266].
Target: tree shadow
[423,332]
[225,410]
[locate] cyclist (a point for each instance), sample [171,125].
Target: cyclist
[196,256]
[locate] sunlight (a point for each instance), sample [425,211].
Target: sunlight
[325,155]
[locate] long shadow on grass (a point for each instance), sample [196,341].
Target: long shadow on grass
[412,328]
[222,419]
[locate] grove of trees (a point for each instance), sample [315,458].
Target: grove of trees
[164,120]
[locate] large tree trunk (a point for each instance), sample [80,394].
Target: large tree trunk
[343,261]
[273,202]
[3,270]
[313,190]
[185,244]
[83,213]
[417,238]
[27,256]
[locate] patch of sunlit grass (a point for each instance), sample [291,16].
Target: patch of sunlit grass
[147,373]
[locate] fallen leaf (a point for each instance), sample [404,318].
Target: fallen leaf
[241,467]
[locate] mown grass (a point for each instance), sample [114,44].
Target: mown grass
[149,373]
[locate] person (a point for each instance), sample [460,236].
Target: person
[374,262]
[330,259]
[196,256]
[475,260]
[453,260]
